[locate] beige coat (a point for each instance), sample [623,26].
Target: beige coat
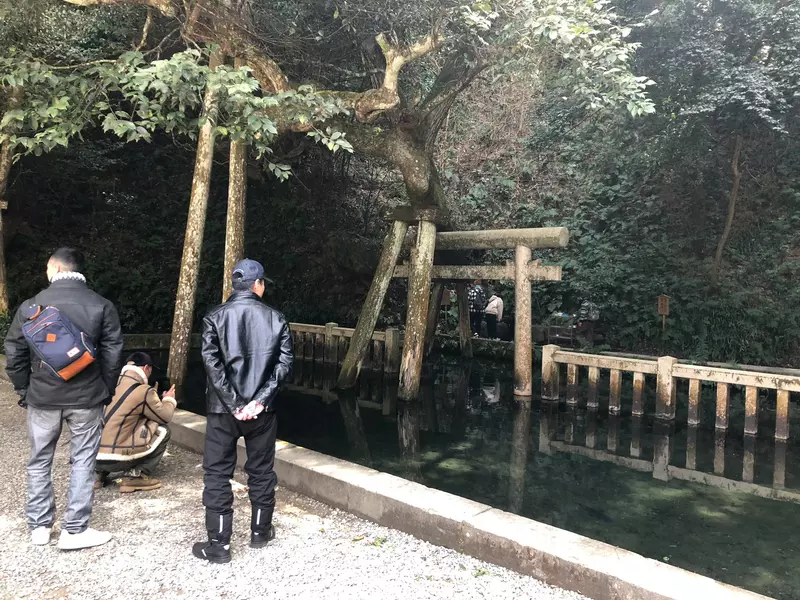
[132,427]
[495,307]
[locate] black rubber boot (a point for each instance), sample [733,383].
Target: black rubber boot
[262,531]
[218,547]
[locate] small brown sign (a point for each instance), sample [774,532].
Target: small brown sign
[663,306]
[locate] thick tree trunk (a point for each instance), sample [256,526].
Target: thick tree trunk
[372,305]
[193,242]
[419,289]
[6,158]
[237,208]
[726,232]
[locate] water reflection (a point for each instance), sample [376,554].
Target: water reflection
[621,478]
[520,439]
[472,404]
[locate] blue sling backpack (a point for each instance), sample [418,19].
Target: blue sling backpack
[58,343]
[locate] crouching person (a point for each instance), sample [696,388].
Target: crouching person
[135,435]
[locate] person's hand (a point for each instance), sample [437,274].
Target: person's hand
[250,412]
[170,393]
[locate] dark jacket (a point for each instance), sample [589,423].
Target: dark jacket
[98,319]
[247,353]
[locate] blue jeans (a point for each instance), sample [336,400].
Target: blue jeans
[44,429]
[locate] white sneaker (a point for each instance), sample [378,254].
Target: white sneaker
[41,536]
[85,539]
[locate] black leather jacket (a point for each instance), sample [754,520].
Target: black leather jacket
[98,319]
[247,353]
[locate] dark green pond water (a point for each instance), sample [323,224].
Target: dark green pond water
[469,436]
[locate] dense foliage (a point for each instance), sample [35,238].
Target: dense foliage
[646,200]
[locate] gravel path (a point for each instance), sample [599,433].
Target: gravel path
[320,553]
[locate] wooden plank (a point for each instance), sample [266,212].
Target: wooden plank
[751,411]
[573,387]
[569,425]
[299,338]
[551,385]
[414,214]
[738,377]
[377,355]
[607,362]
[594,380]
[636,436]
[331,344]
[749,458]
[779,466]
[719,451]
[543,237]
[591,428]
[665,388]
[392,349]
[613,433]
[782,416]
[755,489]
[638,394]
[534,271]
[662,449]
[691,447]
[319,347]
[614,403]
[723,401]
[306,328]
[644,466]
[694,402]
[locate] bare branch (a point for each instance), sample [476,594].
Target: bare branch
[146,29]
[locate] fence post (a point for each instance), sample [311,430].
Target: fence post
[665,388]
[550,375]
[391,350]
[331,344]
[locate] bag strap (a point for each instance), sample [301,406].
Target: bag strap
[117,406]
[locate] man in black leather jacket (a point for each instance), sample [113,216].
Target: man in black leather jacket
[78,402]
[247,354]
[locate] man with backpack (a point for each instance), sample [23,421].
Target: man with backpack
[247,354]
[63,351]
[477,304]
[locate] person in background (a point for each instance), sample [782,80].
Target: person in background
[477,304]
[135,435]
[247,355]
[494,314]
[51,401]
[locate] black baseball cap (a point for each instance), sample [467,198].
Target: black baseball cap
[248,271]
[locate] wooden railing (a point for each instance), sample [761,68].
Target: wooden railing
[668,371]
[320,343]
[329,344]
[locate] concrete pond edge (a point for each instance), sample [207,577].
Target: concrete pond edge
[556,556]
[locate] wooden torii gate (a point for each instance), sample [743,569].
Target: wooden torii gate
[423,306]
